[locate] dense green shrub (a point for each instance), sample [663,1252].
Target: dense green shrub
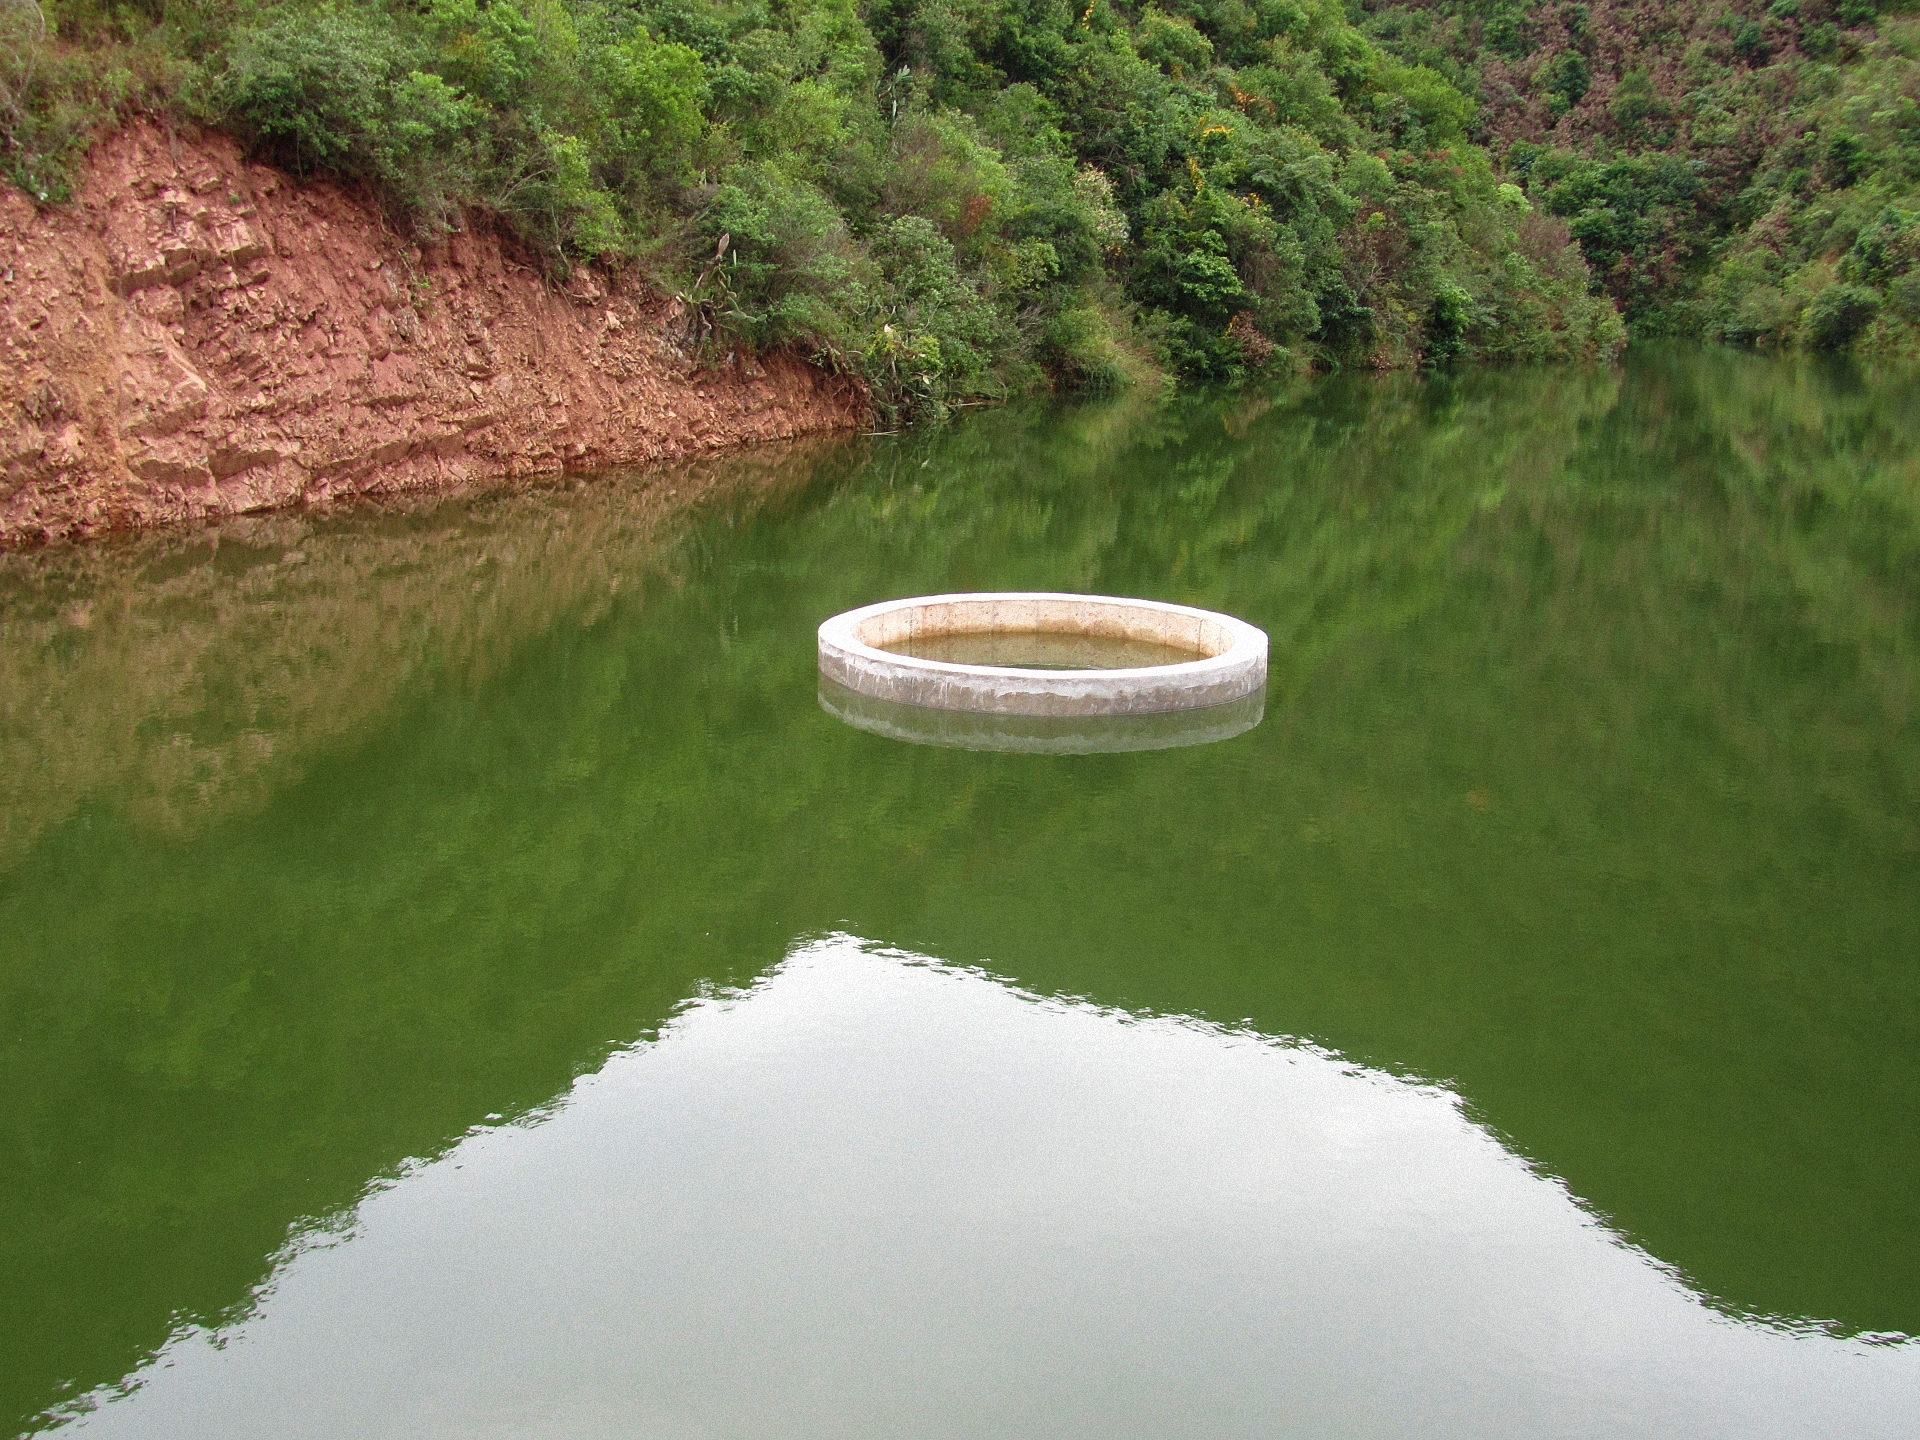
[333,91]
[1903,297]
[1839,313]
[1719,162]
[792,273]
[954,198]
[1568,78]
[1447,325]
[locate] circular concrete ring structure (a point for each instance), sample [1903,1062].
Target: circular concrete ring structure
[1230,655]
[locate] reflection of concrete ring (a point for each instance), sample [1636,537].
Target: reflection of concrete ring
[1042,734]
[1231,663]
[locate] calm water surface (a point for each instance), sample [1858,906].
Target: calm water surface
[459,981]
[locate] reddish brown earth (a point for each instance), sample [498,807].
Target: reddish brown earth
[199,336]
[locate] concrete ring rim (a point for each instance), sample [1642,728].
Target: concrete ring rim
[1229,674]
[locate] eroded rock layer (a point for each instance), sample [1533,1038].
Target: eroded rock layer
[198,336]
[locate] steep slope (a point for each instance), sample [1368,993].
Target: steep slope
[957,199]
[195,336]
[1747,170]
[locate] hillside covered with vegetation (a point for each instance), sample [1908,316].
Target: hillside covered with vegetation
[1747,170]
[964,198]
[958,198]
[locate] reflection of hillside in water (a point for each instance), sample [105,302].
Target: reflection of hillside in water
[1587,784]
[199,669]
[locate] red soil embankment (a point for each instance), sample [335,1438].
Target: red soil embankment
[198,336]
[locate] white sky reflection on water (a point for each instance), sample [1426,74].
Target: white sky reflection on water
[877,1197]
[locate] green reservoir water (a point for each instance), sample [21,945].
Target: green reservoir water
[456,979]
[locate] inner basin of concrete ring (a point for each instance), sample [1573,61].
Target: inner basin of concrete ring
[860,652]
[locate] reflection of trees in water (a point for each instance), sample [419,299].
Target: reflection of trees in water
[1663,639]
[1587,783]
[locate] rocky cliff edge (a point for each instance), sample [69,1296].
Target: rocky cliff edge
[198,336]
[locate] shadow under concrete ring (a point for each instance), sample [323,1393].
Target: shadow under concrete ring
[1042,734]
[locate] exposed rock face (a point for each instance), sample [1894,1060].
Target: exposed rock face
[199,336]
